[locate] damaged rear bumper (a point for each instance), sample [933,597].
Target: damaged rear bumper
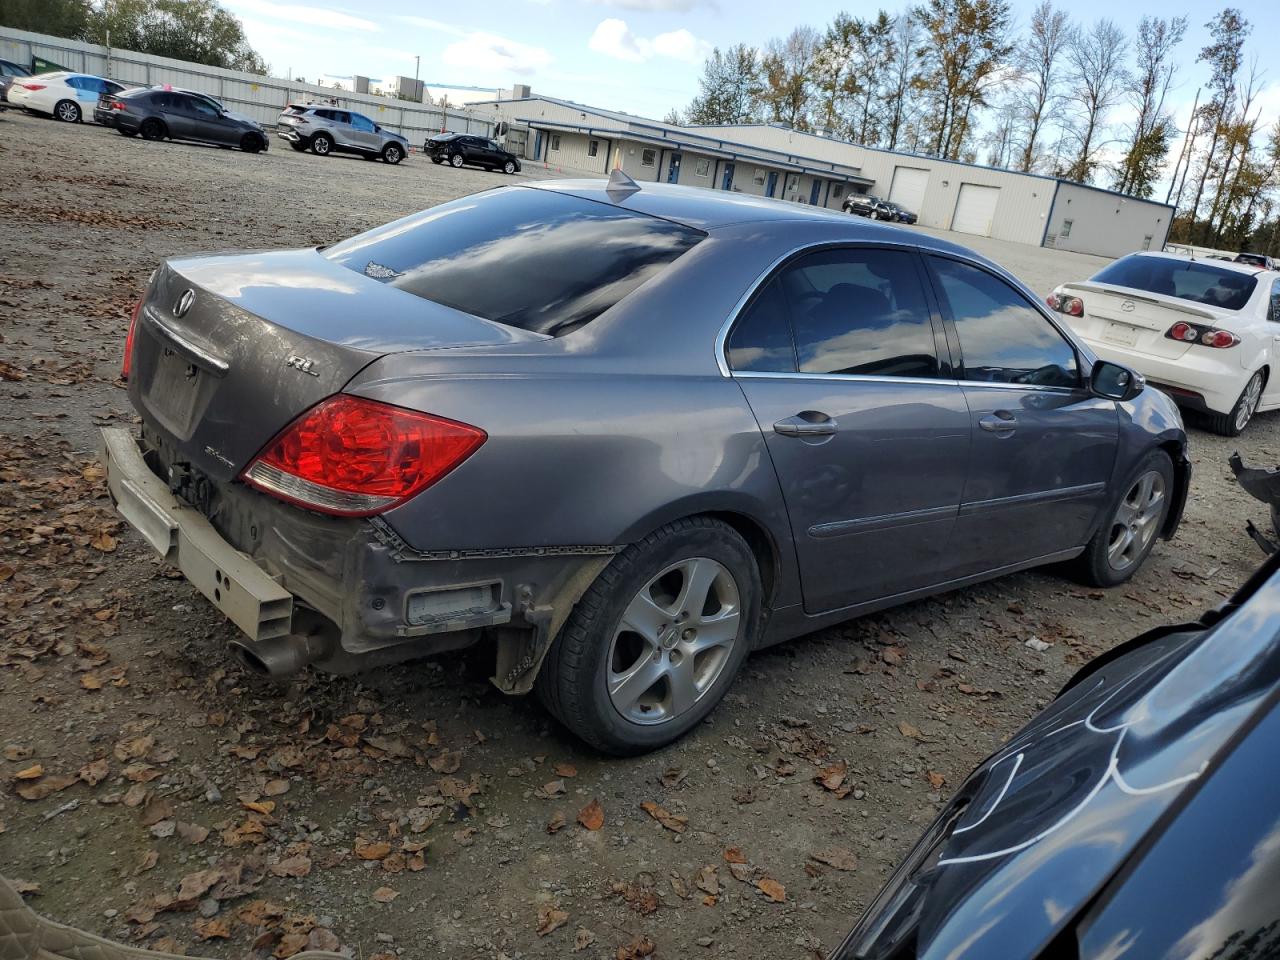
[342,593]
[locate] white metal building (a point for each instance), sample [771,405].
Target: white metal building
[776,161]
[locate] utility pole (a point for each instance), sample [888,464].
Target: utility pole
[416,61]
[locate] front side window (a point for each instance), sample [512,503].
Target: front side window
[648,158]
[1193,280]
[201,107]
[593,148]
[561,260]
[1003,339]
[852,312]
[361,123]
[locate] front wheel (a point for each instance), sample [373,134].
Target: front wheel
[509,167]
[456,160]
[392,153]
[251,143]
[1232,424]
[657,639]
[68,111]
[152,129]
[1134,520]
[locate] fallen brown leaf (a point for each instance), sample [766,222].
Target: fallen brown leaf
[636,949]
[837,857]
[97,771]
[372,849]
[447,762]
[772,889]
[592,815]
[385,894]
[910,730]
[735,855]
[212,928]
[47,786]
[565,770]
[556,823]
[672,821]
[295,866]
[549,919]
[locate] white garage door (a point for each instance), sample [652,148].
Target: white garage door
[975,209]
[907,189]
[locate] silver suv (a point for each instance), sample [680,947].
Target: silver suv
[326,129]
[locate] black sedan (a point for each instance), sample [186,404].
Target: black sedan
[900,213]
[175,115]
[1136,817]
[458,149]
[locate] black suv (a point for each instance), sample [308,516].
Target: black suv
[865,205]
[457,149]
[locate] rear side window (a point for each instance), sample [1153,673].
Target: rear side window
[1192,280]
[1003,339]
[534,259]
[761,339]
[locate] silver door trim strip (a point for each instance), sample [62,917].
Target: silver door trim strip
[978,507]
[908,518]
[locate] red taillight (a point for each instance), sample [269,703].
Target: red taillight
[355,457]
[127,363]
[1206,336]
[116,105]
[33,86]
[1072,306]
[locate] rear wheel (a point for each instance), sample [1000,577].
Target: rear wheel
[1133,523]
[127,133]
[152,129]
[436,160]
[68,111]
[657,639]
[392,153]
[1232,424]
[456,159]
[298,145]
[321,144]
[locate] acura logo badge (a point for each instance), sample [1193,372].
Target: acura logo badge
[1127,306]
[184,303]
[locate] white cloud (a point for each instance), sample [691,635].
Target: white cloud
[487,51]
[680,6]
[300,13]
[614,38]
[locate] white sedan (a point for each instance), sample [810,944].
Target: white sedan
[63,95]
[1207,332]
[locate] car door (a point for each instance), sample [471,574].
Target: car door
[208,123]
[340,127]
[363,134]
[172,110]
[846,370]
[1044,446]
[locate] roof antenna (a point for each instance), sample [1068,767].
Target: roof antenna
[620,186]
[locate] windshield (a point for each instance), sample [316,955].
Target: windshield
[539,260]
[1192,280]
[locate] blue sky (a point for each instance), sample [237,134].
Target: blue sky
[641,56]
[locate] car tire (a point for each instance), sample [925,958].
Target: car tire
[598,641]
[509,167]
[298,145]
[321,144]
[1232,424]
[153,129]
[456,160]
[436,160]
[1133,522]
[126,133]
[392,153]
[251,143]
[68,111]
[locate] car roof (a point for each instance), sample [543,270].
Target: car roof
[706,209]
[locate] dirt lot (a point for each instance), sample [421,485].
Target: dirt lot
[415,810]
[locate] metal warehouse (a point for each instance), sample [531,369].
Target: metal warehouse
[772,160]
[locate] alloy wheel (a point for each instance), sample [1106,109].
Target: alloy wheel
[673,641]
[393,154]
[1249,401]
[68,111]
[1136,520]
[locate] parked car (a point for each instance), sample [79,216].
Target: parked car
[866,205]
[1258,260]
[170,115]
[1202,332]
[900,213]
[1134,817]
[457,149]
[62,95]
[629,434]
[9,72]
[105,115]
[325,130]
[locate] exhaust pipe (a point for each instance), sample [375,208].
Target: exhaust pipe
[285,656]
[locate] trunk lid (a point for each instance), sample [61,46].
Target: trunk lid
[229,349]
[1136,320]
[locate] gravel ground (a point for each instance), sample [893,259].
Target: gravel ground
[415,811]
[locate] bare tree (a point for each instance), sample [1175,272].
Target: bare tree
[1229,30]
[788,70]
[1096,78]
[834,80]
[903,84]
[1038,62]
[1153,128]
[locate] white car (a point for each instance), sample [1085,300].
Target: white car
[1207,332]
[63,95]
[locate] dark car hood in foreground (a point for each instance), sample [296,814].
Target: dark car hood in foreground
[1047,820]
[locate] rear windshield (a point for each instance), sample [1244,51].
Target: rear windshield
[1257,259]
[295,109]
[441,137]
[1192,280]
[534,259]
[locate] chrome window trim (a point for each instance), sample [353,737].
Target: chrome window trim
[854,377]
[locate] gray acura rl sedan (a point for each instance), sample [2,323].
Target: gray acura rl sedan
[625,434]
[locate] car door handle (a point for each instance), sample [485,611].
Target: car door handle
[1001,421]
[808,424]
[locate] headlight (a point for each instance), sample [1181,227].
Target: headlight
[889,925]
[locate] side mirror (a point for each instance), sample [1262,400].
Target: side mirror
[1115,382]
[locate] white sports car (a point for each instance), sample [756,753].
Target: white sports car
[1206,332]
[63,95]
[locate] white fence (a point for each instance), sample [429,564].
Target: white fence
[259,97]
